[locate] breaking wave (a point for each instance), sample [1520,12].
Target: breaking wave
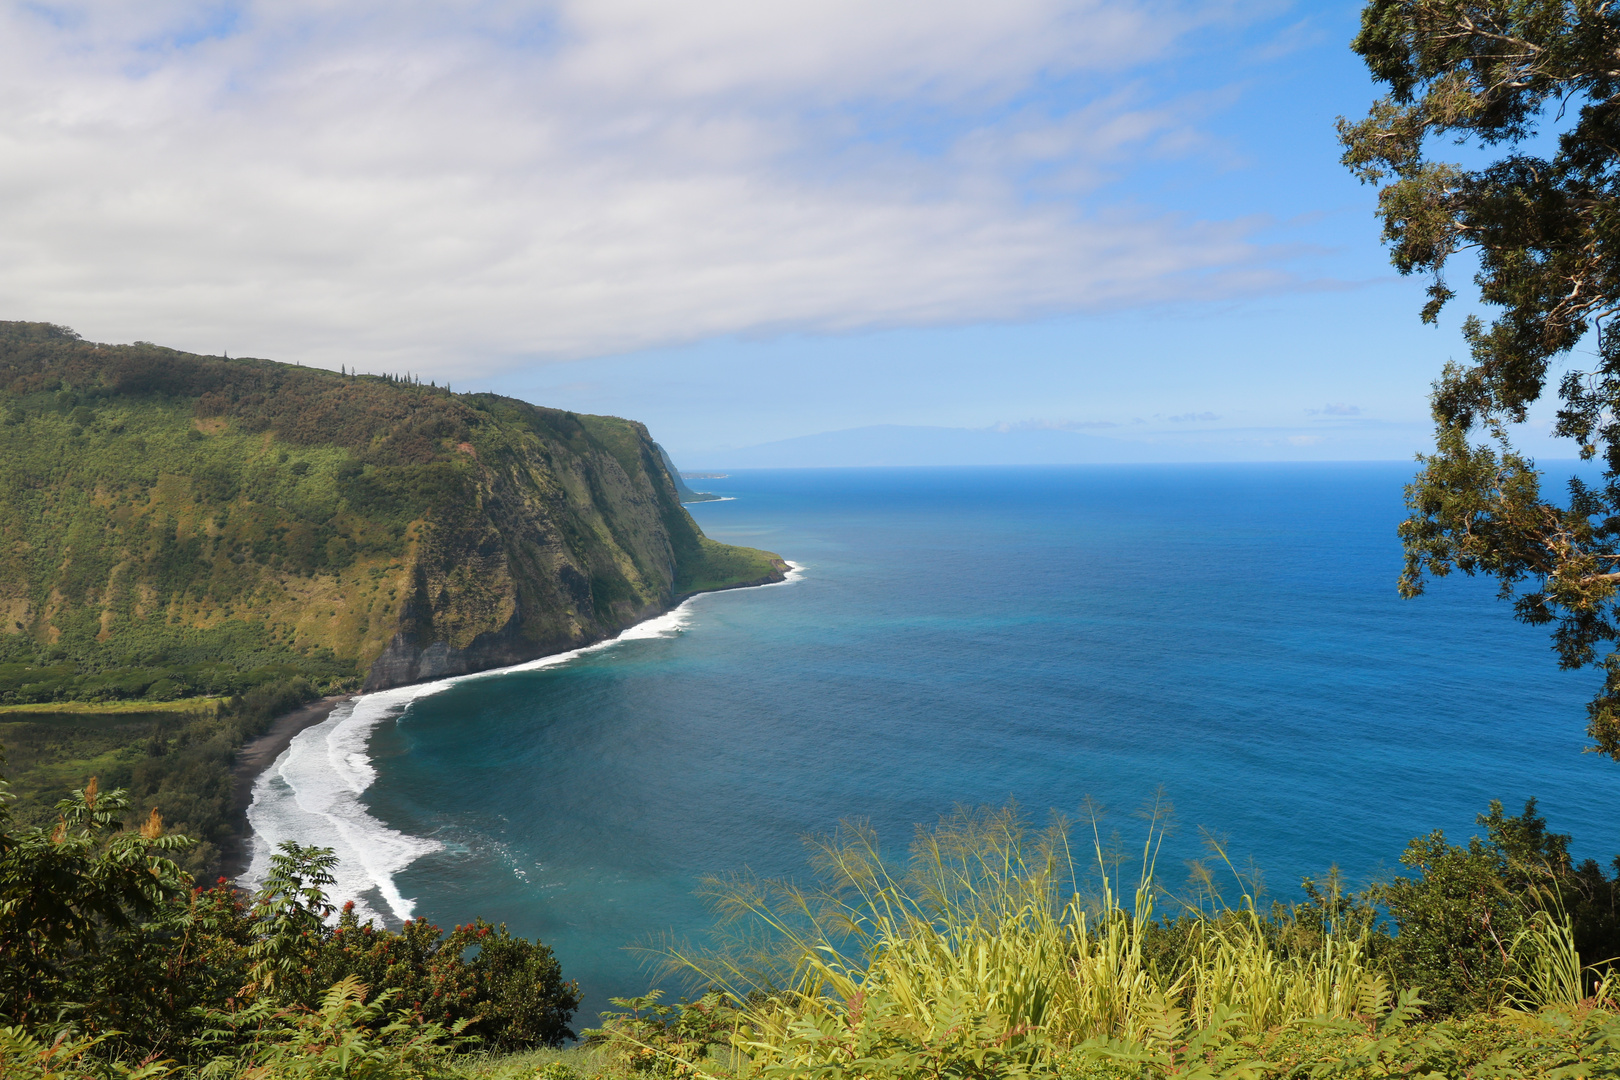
[311,793]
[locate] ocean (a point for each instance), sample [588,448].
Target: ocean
[1225,637]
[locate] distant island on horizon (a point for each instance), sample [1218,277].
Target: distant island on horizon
[901,445]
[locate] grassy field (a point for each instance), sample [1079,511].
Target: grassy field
[172,757]
[187,706]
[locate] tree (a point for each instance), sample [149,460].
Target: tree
[1537,84]
[65,891]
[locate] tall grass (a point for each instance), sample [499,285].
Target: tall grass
[1548,971]
[986,944]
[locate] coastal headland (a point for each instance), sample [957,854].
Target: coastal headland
[177,527]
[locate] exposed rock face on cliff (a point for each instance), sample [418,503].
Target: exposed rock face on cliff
[579,533]
[174,524]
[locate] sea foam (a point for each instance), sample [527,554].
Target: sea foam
[311,794]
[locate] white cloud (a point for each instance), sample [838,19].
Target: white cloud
[833,51]
[455,189]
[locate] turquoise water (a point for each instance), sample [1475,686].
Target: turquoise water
[1230,634]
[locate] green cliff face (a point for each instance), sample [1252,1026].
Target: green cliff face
[173,524]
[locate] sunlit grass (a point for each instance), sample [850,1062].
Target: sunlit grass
[202,705]
[988,944]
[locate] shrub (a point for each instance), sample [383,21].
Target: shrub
[1456,922]
[511,990]
[99,929]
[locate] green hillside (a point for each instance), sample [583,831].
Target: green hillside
[174,525]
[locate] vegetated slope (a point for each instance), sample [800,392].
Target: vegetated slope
[174,524]
[687,495]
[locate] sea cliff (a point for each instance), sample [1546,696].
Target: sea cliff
[174,524]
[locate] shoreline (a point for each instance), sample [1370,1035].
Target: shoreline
[255,756]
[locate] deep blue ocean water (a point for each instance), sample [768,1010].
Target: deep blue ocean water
[1230,634]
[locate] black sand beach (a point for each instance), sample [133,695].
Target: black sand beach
[257,755]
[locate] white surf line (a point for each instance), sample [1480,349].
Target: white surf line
[795,573]
[311,793]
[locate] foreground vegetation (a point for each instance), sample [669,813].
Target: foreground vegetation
[112,962]
[994,951]
[174,758]
[988,956]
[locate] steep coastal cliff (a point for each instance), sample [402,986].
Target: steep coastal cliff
[174,524]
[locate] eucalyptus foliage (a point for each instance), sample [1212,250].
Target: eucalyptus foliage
[1535,84]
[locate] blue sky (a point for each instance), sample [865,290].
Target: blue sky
[737,221]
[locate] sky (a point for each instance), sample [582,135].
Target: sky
[740,221]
